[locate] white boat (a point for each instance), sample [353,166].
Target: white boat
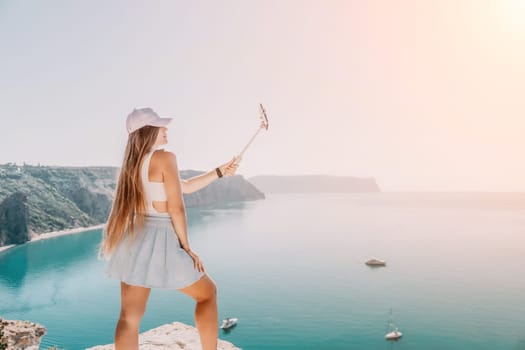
[393,331]
[375,262]
[394,335]
[228,323]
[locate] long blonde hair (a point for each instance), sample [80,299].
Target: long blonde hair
[127,211]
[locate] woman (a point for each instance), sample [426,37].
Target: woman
[146,238]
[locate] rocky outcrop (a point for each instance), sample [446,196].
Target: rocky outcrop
[20,335]
[14,219]
[40,199]
[175,336]
[227,189]
[313,183]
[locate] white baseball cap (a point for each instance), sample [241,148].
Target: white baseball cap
[144,116]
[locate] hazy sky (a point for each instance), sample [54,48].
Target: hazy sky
[421,95]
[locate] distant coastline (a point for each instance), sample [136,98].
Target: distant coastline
[46,235]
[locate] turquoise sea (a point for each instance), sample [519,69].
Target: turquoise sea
[291,268]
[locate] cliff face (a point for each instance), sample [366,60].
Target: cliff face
[226,189]
[44,198]
[313,183]
[14,216]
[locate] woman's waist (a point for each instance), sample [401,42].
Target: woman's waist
[152,224]
[157,219]
[156,214]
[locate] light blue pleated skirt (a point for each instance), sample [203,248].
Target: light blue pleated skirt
[153,258]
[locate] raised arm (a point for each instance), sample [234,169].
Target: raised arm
[200,181]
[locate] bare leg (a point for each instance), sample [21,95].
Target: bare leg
[133,305]
[205,294]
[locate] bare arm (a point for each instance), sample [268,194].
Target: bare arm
[200,181]
[175,205]
[197,182]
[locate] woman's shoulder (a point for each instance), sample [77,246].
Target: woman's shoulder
[164,156]
[164,160]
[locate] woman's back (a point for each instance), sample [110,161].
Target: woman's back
[154,189]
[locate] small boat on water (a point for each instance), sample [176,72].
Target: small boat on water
[228,323]
[393,331]
[375,262]
[394,335]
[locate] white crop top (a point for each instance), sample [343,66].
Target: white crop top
[153,191]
